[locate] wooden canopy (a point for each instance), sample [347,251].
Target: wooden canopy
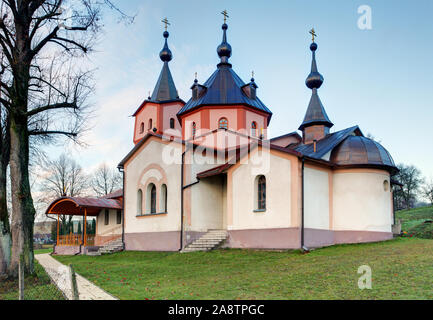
[75,206]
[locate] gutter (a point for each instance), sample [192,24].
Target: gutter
[120,168]
[303,247]
[181,201]
[79,250]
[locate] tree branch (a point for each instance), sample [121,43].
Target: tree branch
[44,133]
[68,41]
[63,105]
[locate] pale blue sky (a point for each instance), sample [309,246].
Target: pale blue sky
[379,79]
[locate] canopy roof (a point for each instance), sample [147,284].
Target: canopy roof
[76,206]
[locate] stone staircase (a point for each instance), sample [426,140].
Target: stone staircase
[209,241]
[110,247]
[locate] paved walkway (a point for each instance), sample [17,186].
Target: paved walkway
[59,273]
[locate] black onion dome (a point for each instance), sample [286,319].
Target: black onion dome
[224,50]
[165,53]
[314,79]
[359,151]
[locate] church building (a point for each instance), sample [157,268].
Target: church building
[204,174]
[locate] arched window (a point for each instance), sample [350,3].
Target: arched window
[150,198]
[139,202]
[149,127]
[163,199]
[254,129]
[153,199]
[223,123]
[171,123]
[385,185]
[142,127]
[261,192]
[193,129]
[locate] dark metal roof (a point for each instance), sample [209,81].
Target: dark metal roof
[165,90]
[224,87]
[326,144]
[359,150]
[316,113]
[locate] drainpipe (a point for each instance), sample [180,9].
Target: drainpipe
[303,247]
[181,200]
[120,168]
[79,250]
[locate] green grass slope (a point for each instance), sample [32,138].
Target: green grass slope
[414,222]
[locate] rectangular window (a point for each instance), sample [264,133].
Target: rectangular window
[119,217]
[107,217]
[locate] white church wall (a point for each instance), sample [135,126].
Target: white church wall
[150,157]
[360,201]
[278,194]
[112,227]
[316,198]
[207,204]
[203,160]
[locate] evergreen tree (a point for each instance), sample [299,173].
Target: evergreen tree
[54,232]
[94,226]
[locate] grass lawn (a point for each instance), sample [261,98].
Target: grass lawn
[36,287]
[40,251]
[401,269]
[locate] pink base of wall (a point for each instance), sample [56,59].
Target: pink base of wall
[73,250]
[153,241]
[66,250]
[284,238]
[279,239]
[290,238]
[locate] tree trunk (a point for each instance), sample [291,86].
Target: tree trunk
[23,211]
[5,235]
[5,232]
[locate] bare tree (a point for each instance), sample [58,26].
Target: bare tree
[41,40]
[106,180]
[428,191]
[410,177]
[62,177]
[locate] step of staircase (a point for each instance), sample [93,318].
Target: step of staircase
[93,253]
[209,241]
[110,247]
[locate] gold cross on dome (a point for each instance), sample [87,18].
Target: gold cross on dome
[165,21]
[313,34]
[225,14]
